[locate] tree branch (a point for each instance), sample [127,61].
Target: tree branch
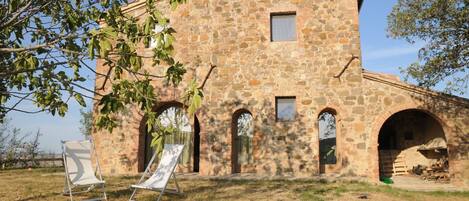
[91,69]
[30,70]
[143,74]
[33,11]
[86,89]
[15,15]
[19,101]
[106,78]
[23,111]
[39,46]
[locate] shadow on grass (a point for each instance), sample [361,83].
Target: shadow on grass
[120,193]
[41,196]
[117,188]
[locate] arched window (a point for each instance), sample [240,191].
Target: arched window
[176,121]
[327,138]
[172,119]
[243,132]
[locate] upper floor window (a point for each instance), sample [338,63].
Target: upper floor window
[285,108]
[283,26]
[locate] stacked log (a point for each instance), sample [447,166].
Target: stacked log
[438,171]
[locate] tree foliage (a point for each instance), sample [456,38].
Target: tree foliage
[86,122]
[444,26]
[15,149]
[46,48]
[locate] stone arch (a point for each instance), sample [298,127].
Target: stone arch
[235,166]
[336,110]
[379,122]
[143,137]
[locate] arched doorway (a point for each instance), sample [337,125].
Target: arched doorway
[327,141]
[411,140]
[172,116]
[241,139]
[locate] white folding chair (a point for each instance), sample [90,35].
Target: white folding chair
[158,181]
[79,171]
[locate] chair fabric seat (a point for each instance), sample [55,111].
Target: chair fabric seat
[144,187]
[88,181]
[159,178]
[156,181]
[79,171]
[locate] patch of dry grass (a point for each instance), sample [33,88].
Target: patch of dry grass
[47,184]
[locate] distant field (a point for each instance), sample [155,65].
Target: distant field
[47,184]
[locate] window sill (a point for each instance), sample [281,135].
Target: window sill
[285,121]
[284,41]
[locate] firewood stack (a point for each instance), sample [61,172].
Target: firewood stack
[438,171]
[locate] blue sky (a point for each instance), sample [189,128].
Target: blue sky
[54,128]
[380,54]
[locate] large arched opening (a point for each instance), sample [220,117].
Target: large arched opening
[409,142]
[171,115]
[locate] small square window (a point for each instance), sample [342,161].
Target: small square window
[283,27]
[285,108]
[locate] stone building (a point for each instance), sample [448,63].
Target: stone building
[288,81]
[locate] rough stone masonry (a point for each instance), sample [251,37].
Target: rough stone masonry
[253,72]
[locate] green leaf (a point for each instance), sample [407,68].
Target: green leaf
[105,3]
[13,5]
[63,109]
[196,103]
[3,99]
[157,143]
[91,47]
[105,47]
[80,99]
[33,62]
[149,24]
[109,32]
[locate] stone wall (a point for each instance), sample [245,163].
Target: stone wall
[251,71]
[385,97]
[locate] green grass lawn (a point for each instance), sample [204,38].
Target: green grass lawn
[47,184]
